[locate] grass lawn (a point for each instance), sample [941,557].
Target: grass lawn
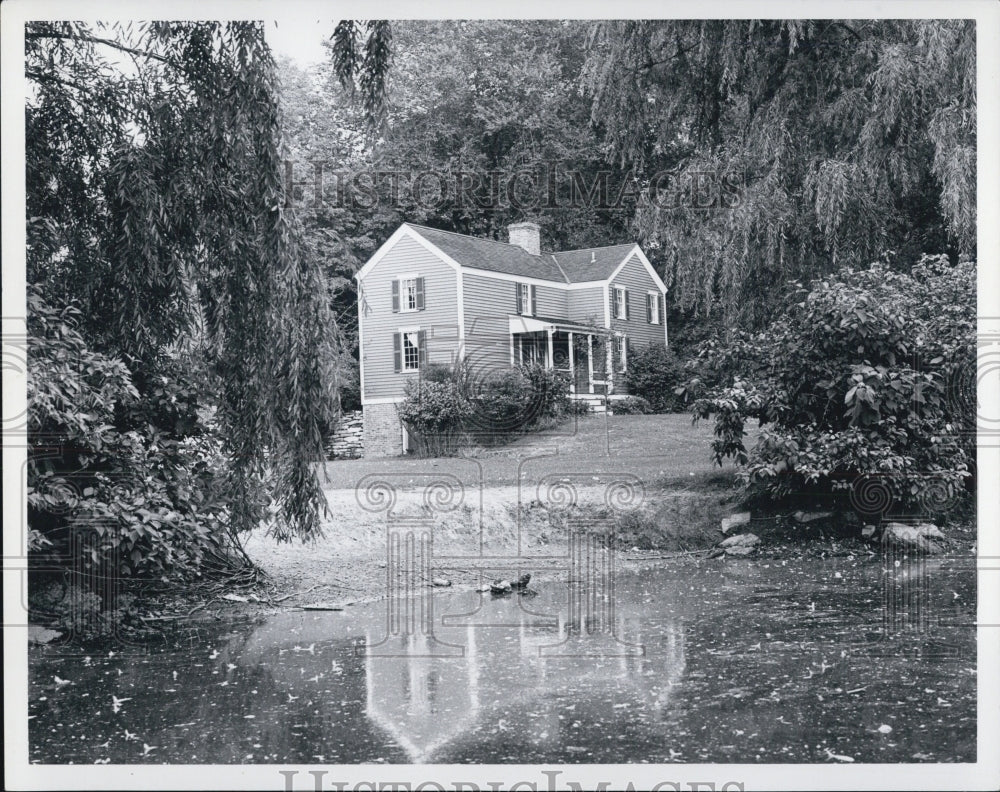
[665,451]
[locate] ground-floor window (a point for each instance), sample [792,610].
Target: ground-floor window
[411,351]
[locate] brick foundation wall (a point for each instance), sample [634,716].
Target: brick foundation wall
[347,441]
[383,433]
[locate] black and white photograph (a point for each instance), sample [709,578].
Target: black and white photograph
[501,397]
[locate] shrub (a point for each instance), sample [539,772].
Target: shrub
[448,407]
[630,405]
[860,379]
[130,485]
[350,385]
[434,414]
[502,404]
[549,391]
[654,374]
[439,372]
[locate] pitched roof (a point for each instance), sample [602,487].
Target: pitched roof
[571,266]
[591,264]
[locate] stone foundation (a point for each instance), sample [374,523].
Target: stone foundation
[383,433]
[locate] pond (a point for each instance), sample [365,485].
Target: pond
[801,661]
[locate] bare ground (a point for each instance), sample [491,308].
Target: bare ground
[498,512]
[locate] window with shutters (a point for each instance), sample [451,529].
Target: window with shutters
[622,354]
[525,299]
[408,294]
[653,307]
[411,350]
[621,303]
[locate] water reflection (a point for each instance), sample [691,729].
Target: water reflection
[513,673]
[710,663]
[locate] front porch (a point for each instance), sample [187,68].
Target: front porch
[584,352]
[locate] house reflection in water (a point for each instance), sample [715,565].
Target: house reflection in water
[522,677]
[422,700]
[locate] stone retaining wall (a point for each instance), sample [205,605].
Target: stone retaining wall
[348,438]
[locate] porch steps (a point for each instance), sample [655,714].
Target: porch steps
[595,402]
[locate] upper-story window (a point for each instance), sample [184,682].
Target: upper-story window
[621,310]
[408,294]
[526,299]
[653,308]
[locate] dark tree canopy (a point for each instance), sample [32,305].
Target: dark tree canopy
[156,207]
[851,139]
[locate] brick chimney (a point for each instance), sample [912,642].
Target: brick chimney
[526,236]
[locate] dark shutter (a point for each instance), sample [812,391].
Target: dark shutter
[534,303]
[395,298]
[420,294]
[397,350]
[517,295]
[626,305]
[421,349]
[663,308]
[649,307]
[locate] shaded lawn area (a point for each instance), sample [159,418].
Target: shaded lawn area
[665,451]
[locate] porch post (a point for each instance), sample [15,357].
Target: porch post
[590,362]
[552,356]
[610,378]
[572,368]
[511,349]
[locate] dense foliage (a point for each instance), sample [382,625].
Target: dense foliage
[864,380]
[184,361]
[463,96]
[654,374]
[447,409]
[631,405]
[796,146]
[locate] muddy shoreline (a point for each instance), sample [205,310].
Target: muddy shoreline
[500,538]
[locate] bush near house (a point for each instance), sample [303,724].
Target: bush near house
[867,376]
[434,413]
[447,408]
[654,374]
[631,405]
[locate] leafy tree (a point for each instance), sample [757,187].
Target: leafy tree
[497,96]
[860,376]
[843,140]
[163,264]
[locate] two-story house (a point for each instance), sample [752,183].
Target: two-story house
[429,296]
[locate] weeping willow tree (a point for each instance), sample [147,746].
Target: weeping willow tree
[168,303]
[849,141]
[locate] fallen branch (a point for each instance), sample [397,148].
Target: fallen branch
[669,555]
[200,605]
[294,593]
